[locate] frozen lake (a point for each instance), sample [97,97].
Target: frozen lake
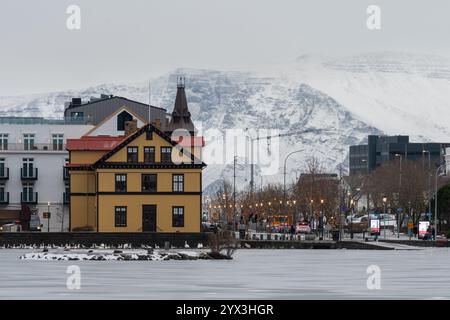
[258,274]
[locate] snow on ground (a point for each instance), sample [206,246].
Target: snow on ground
[258,274]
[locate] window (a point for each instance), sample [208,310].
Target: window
[3,141]
[149,135]
[77,115]
[177,216]
[121,182]
[58,141]
[121,119]
[149,183]
[177,183]
[149,154]
[28,168]
[28,141]
[67,193]
[120,217]
[3,196]
[166,154]
[28,192]
[2,167]
[132,155]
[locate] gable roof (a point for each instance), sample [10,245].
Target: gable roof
[117,112]
[135,135]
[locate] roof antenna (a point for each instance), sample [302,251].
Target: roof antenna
[149,101]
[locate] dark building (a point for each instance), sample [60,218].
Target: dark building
[381,149]
[97,109]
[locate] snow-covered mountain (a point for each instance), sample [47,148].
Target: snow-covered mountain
[340,100]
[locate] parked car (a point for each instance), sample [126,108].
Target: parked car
[388,221]
[303,227]
[35,223]
[10,227]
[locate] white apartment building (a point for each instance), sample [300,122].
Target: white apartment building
[32,159]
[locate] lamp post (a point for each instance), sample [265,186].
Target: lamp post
[429,179]
[48,216]
[436,200]
[384,209]
[284,174]
[400,186]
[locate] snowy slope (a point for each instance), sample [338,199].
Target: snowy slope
[350,97]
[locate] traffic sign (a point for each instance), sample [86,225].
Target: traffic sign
[47,215]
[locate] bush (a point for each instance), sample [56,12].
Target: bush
[222,240]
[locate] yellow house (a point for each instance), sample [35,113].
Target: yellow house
[134,184]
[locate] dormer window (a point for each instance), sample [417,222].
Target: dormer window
[121,119]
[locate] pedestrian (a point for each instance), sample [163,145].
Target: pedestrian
[292,229]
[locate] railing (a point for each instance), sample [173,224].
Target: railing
[4,197]
[66,198]
[4,173]
[27,175]
[40,120]
[35,147]
[29,197]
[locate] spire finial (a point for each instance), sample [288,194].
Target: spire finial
[181,81]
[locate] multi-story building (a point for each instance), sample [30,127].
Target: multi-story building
[139,181]
[32,160]
[381,149]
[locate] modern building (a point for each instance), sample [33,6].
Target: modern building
[381,149]
[142,181]
[32,160]
[97,109]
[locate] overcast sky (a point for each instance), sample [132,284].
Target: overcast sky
[133,40]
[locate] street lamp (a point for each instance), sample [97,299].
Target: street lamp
[436,199]
[399,189]
[429,179]
[384,206]
[48,216]
[284,174]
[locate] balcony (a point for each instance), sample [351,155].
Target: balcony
[54,147]
[65,173]
[29,174]
[4,173]
[66,198]
[29,197]
[4,198]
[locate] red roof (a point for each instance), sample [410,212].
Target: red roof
[192,142]
[97,143]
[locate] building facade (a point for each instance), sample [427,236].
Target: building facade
[32,159]
[381,149]
[144,181]
[133,185]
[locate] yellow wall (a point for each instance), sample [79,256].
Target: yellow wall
[82,212]
[85,157]
[82,181]
[164,203]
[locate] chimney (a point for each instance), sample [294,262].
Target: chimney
[130,127]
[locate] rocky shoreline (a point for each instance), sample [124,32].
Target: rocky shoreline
[120,255]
